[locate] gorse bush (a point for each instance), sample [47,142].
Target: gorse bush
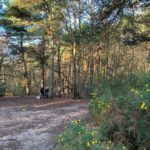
[122,90]
[78,137]
[122,117]
[120,85]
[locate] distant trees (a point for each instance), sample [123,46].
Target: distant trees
[77,42]
[3,45]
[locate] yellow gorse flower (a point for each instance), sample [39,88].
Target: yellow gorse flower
[148,90]
[124,148]
[93,133]
[93,142]
[88,144]
[132,90]
[142,105]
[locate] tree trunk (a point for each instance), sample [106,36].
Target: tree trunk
[43,64]
[59,85]
[75,88]
[27,83]
[52,67]
[91,48]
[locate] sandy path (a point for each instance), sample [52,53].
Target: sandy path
[36,128]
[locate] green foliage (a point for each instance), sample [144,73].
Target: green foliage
[16,90]
[5,22]
[18,12]
[98,105]
[78,137]
[122,117]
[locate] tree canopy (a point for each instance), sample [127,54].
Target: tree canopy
[67,44]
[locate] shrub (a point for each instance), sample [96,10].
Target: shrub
[17,90]
[78,137]
[123,117]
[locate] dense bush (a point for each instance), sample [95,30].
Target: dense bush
[121,108]
[78,137]
[124,115]
[16,90]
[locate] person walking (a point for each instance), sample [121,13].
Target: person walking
[46,91]
[42,94]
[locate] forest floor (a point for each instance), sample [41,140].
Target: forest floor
[30,124]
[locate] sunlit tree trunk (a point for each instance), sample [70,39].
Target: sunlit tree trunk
[52,66]
[59,81]
[26,80]
[132,63]
[43,48]
[74,51]
[91,48]
[1,62]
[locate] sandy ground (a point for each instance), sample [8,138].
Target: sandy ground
[30,124]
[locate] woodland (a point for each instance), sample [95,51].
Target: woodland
[82,49]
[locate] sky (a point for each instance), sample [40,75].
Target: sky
[2,7]
[2,32]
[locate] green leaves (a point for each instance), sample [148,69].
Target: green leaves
[21,13]
[6,22]
[79,137]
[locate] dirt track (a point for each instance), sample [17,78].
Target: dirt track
[30,124]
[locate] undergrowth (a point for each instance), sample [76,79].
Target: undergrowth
[120,112]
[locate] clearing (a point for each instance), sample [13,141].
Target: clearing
[30,124]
